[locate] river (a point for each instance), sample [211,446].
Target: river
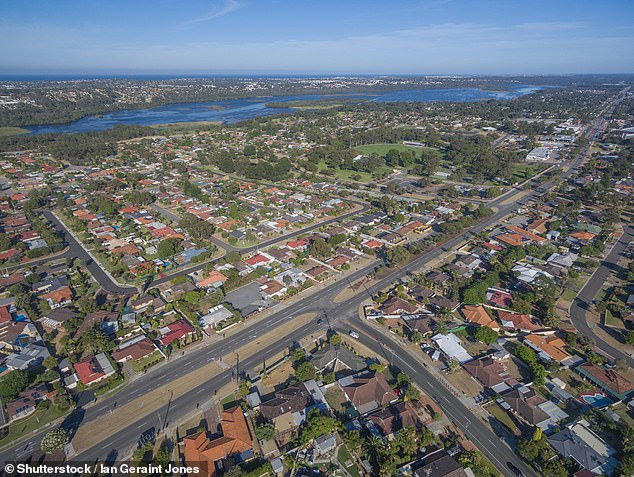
[235,110]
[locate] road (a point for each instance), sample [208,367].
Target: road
[484,439]
[77,250]
[322,302]
[585,297]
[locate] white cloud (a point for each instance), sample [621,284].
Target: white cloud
[227,6]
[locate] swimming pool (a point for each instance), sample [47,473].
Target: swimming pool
[597,399]
[20,318]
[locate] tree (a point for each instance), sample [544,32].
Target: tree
[317,425]
[169,247]
[265,431]
[353,439]
[13,383]
[412,393]
[629,338]
[54,441]
[406,441]
[486,335]
[319,248]
[416,337]
[453,364]
[334,339]
[305,371]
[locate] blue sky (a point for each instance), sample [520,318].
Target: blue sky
[316,36]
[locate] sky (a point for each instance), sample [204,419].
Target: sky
[194,37]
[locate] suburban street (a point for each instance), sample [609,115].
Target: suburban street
[586,296]
[486,440]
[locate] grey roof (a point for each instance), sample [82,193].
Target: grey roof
[326,443]
[332,354]
[568,444]
[247,299]
[216,315]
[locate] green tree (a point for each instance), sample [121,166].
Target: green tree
[486,335]
[54,441]
[305,371]
[13,384]
[265,431]
[169,247]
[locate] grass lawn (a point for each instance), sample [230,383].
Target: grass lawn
[382,149]
[11,131]
[502,416]
[335,398]
[625,415]
[569,294]
[346,175]
[150,360]
[345,459]
[521,172]
[36,420]
[229,401]
[611,320]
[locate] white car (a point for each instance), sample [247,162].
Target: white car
[354,334]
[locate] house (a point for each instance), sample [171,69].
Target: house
[325,444]
[60,297]
[337,358]
[609,380]
[451,346]
[440,302]
[175,331]
[394,418]
[132,351]
[291,399]
[491,373]
[56,318]
[479,316]
[273,289]
[214,316]
[233,447]
[395,305]
[27,401]
[499,298]
[524,402]
[171,293]
[548,348]
[215,279]
[580,443]
[320,273]
[30,356]
[148,301]
[517,321]
[367,391]
[94,369]
[439,464]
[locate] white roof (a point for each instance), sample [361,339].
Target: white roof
[452,346]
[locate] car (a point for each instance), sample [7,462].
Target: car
[354,334]
[320,321]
